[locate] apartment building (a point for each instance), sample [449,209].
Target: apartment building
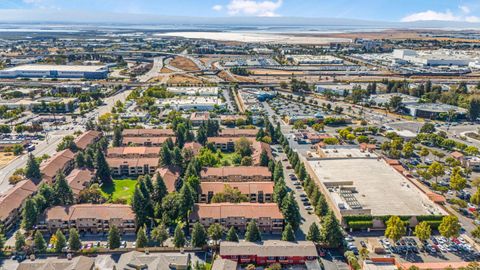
[63,161]
[257,149]
[236,132]
[87,138]
[268,217]
[146,141]
[79,179]
[256,192]
[132,166]
[171,177]
[148,132]
[236,174]
[133,152]
[89,218]
[12,201]
[227,144]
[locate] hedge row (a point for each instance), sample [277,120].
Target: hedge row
[360,224]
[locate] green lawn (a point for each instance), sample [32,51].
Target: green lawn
[120,189]
[227,157]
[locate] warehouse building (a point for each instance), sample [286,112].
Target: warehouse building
[55,71]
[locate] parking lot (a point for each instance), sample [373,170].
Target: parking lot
[411,249]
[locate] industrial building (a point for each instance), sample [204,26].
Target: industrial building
[55,71]
[314,59]
[191,103]
[432,58]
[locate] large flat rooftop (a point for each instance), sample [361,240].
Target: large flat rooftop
[370,183]
[77,68]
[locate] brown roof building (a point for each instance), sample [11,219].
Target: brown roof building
[256,192]
[236,174]
[133,152]
[145,141]
[237,132]
[87,138]
[267,215]
[79,179]
[257,149]
[134,260]
[11,202]
[52,263]
[148,133]
[61,161]
[91,218]
[194,146]
[171,177]
[227,143]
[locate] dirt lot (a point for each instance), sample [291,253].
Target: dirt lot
[183,79]
[5,158]
[184,64]
[223,75]
[166,70]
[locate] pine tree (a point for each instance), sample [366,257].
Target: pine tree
[321,208]
[179,237]
[264,159]
[215,231]
[148,183]
[330,230]
[291,211]
[39,242]
[139,206]
[252,234]
[32,170]
[187,198]
[199,235]
[231,235]
[61,241]
[177,158]
[80,160]
[74,242]
[159,189]
[202,135]
[165,156]
[29,214]
[89,162]
[113,237]
[288,234]
[117,136]
[142,239]
[19,241]
[103,171]
[278,173]
[314,233]
[64,194]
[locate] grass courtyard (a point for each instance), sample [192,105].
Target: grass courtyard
[120,190]
[227,157]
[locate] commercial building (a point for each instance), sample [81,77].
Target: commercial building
[360,183]
[63,161]
[314,59]
[12,201]
[433,58]
[194,91]
[55,71]
[236,174]
[89,218]
[269,252]
[434,110]
[268,217]
[42,104]
[191,103]
[256,192]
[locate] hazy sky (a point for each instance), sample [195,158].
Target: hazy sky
[384,10]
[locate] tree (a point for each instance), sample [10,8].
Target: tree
[74,242]
[19,241]
[179,237]
[142,239]
[330,230]
[230,195]
[314,233]
[243,147]
[423,231]
[80,160]
[39,242]
[321,208]
[264,159]
[215,231]
[113,237]
[457,182]
[474,107]
[475,199]
[436,170]
[395,228]
[364,253]
[63,192]
[199,235]
[291,211]
[103,171]
[352,260]
[427,128]
[117,136]
[160,234]
[139,205]
[231,235]
[32,170]
[449,227]
[201,135]
[29,214]
[424,152]
[159,189]
[165,156]
[253,233]
[288,234]
[476,232]
[92,194]
[61,241]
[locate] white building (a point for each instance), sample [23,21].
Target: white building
[55,71]
[191,103]
[314,59]
[194,91]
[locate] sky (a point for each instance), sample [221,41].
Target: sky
[377,10]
